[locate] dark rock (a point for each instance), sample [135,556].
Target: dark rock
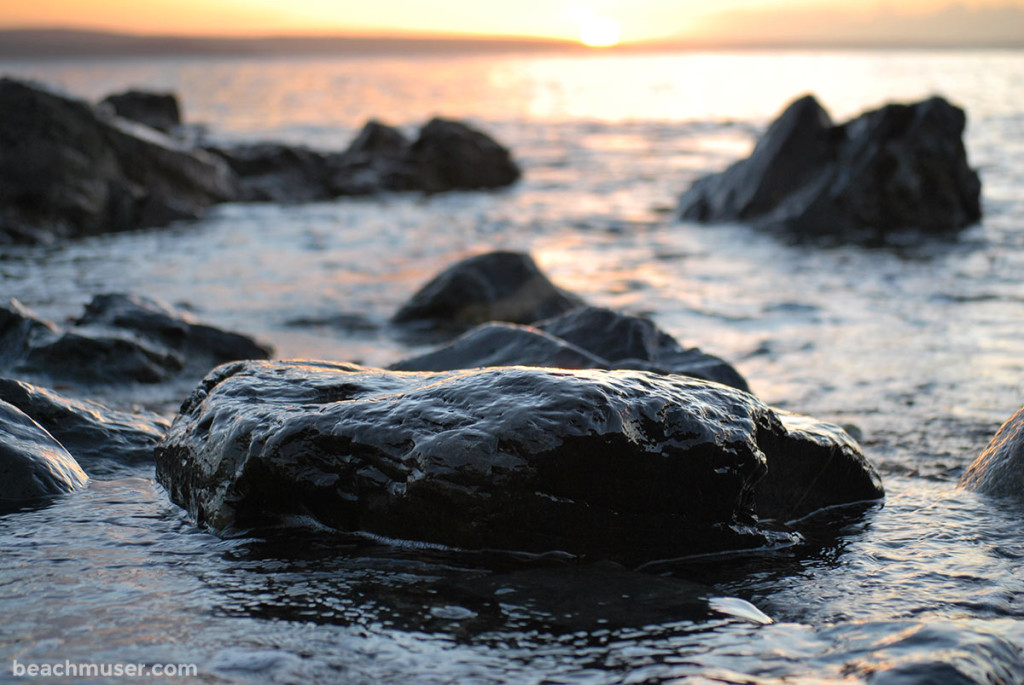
[377,140]
[271,172]
[497,286]
[68,169]
[32,464]
[376,161]
[120,339]
[448,155]
[156,110]
[898,168]
[584,338]
[999,469]
[620,464]
[98,437]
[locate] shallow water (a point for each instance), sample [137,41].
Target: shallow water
[919,347]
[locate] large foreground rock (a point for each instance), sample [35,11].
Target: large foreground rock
[32,464]
[98,437]
[620,464]
[999,469]
[898,168]
[497,286]
[70,169]
[120,338]
[583,338]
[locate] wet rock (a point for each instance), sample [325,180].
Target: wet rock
[32,464]
[497,286]
[272,172]
[69,169]
[98,437]
[584,338]
[619,464]
[156,110]
[897,168]
[999,469]
[120,339]
[376,161]
[450,155]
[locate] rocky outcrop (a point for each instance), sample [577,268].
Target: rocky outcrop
[999,469]
[70,169]
[32,464]
[120,338]
[156,110]
[626,465]
[898,168]
[98,437]
[497,286]
[449,155]
[583,338]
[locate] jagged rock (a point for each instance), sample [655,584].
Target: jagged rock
[584,338]
[620,464]
[98,437]
[999,469]
[156,110]
[449,155]
[32,464]
[120,338]
[69,169]
[898,168]
[497,286]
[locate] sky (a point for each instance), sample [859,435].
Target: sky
[625,20]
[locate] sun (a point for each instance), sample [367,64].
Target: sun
[599,32]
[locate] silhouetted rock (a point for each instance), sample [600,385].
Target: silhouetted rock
[999,469]
[69,169]
[156,110]
[898,168]
[620,464]
[497,286]
[376,161]
[98,437]
[449,155]
[120,338]
[32,464]
[584,338]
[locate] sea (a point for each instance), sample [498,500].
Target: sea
[916,347]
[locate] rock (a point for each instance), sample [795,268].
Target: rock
[272,172]
[32,464]
[497,286]
[120,338]
[624,465]
[898,168]
[69,169]
[999,469]
[156,110]
[98,437]
[583,338]
[449,155]
[376,161]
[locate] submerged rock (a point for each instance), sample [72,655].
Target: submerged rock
[497,286]
[98,437]
[999,469]
[583,338]
[32,464]
[897,168]
[121,338]
[619,464]
[156,110]
[70,169]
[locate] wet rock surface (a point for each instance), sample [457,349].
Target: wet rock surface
[156,110]
[120,338]
[32,464]
[449,155]
[496,286]
[624,465]
[583,338]
[897,168]
[98,437]
[70,169]
[999,469]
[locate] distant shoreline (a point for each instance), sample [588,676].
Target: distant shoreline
[67,43]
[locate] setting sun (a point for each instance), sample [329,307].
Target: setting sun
[599,32]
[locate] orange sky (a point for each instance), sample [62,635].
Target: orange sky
[638,19]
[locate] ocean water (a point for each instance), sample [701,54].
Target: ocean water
[919,347]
